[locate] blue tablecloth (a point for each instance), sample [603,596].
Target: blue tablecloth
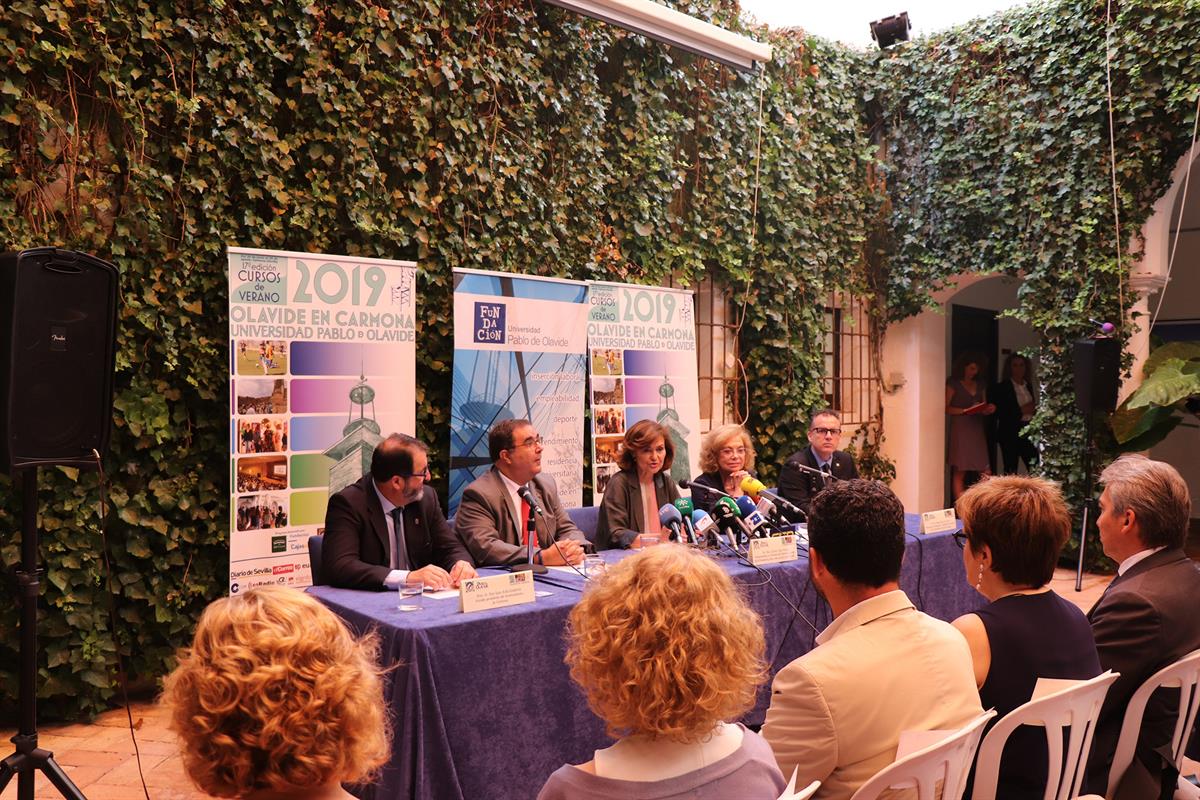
[482,705]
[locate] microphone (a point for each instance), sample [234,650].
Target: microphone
[669,517]
[755,488]
[729,520]
[686,509]
[702,487]
[705,527]
[753,519]
[527,496]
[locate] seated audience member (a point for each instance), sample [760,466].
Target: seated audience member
[667,653]
[491,518]
[276,699]
[881,667]
[1014,529]
[634,495]
[726,457]
[1146,619]
[388,523]
[798,484]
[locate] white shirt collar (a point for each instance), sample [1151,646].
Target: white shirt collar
[1141,555]
[388,505]
[868,610]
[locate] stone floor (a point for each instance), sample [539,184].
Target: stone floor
[100,758]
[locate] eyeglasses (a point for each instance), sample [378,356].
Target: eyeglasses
[422,475]
[960,539]
[732,451]
[826,431]
[532,441]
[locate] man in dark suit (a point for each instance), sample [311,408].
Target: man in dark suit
[1146,618]
[491,518]
[798,484]
[388,524]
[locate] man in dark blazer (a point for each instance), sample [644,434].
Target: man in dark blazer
[388,524]
[491,518]
[1146,619]
[824,434]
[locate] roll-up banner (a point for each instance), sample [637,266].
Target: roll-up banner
[642,361]
[520,346]
[322,367]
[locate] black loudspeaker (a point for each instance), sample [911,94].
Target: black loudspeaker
[1097,374]
[56,357]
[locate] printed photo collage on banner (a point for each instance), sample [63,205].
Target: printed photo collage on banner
[322,366]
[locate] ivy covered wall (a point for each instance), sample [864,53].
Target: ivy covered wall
[507,134]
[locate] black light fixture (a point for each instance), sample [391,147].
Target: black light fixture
[889,30]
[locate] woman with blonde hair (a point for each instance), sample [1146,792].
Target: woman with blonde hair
[634,495]
[275,698]
[726,458]
[667,652]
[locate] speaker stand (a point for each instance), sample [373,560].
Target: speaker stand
[29,758]
[1088,503]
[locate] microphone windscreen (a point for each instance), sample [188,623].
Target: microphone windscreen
[701,520]
[669,514]
[752,486]
[731,504]
[685,484]
[685,506]
[746,505]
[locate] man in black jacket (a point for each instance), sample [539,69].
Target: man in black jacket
[388,524]
[800,478]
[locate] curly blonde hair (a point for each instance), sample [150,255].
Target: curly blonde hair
[721,437]
[275,693]
[664,645]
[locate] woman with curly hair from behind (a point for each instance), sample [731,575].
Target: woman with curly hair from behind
[277,699]
[667,652]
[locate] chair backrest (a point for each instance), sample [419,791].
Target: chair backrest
[586,519]
[314,560]
[790,792]
[1185,674]
[946,763]
[1074,709]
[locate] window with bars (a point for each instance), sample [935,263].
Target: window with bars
[849,382]
[717,357]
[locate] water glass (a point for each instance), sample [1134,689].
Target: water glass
[410,594]
[649,539]
[594,566]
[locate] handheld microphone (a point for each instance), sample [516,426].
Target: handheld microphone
[753,519]
[729,520]
[755,488]
[669,517]
[686,509]
[706,527]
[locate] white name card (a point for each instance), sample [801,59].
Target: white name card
[773,550]
[938,521]
[495,591]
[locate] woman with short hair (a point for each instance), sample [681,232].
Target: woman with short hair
[276,698]
[1013,531]
[668,652]
[726,458]
[634,495]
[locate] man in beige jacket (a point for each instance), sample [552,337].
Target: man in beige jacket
[881,667]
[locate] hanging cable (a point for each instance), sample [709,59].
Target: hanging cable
[1112,155]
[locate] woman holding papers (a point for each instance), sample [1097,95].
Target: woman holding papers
[667,651]
[1013,530]
[636,493]
[726,458]
[967,406]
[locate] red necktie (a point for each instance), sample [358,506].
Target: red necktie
[524,523]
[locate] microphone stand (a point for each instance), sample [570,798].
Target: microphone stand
[530,539]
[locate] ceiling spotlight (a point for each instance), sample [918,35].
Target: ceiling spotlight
[889,30]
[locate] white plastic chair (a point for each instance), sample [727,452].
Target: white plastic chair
[790,792]
[945,763]
[1076,708]
[1185,674]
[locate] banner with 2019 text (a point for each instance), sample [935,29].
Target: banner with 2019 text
[519,353]
[642,361]
[322,367]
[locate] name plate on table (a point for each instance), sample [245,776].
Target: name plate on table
[495,591]
[773,550]
[938,521]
